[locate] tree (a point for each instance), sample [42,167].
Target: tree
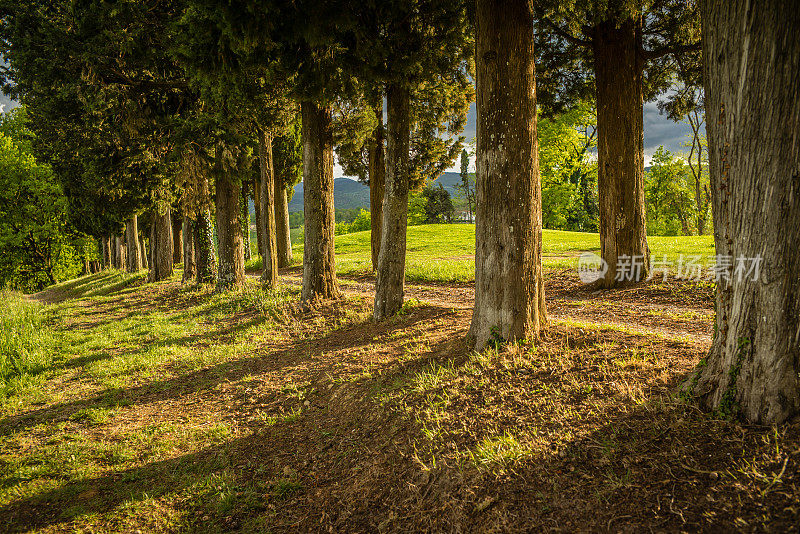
[751,70]
[629,52]
[287,151]
[509,293]
[668,195]
[439,206]
[467,185]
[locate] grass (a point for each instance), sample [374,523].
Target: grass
[26,343]
[446,253]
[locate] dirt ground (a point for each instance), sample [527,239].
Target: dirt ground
[345,425]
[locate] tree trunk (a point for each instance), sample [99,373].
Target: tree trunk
[107,252]
[319,264]
[620,160]
[244,221]
[269,261]
[751,68]
[390,279]
[188,249]
[134,252]
[282,231]
[161,246]
[143,251]
[177,240]
[204,258]
[259,218]
[509,295]
[119,249]
[230,273]
[377,184]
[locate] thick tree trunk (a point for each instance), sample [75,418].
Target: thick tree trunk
[107,263]
[620,160]
[751,71]
[143,251]
[204,257]
[257,195]
[509,295]
[134,252]
[244,220]
[119,250]
[269,261]
[161,246]
[377,172]
[390,279]
[177,240]
[188,249]
[230,272]
[282,231]
[319,264]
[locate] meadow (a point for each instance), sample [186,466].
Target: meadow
[127,406]
[446,252]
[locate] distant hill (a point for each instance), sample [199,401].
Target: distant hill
[349,194]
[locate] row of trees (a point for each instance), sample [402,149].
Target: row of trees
[165,105]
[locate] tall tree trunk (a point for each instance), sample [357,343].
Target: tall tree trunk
[143,251]
[319,264]
[282,230]
[509,294]
[751,70]
[390,279]
[161,246]
[259,217]
[230,273]
[177,240]
[269,261]
[204,257]
[119,249]
[620,161]
[377,183]
[188,249]
[134,252]
[107,262]
[244,220]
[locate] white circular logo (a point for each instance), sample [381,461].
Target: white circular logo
[591,267]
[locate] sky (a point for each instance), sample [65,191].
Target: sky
[658,130]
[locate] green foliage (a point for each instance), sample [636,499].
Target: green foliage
[417,214]
[360,223]
[37,245]
[669,195]
[438,205]
[568,171]
[26,344]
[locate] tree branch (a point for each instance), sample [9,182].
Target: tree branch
[564,34]
[667,50]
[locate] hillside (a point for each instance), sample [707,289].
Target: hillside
[349,194]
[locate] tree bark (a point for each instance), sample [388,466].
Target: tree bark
[751,71]
[119,250]
[618,66]
[509,294]
[377,171]
[177,240]
[390,278]
[319,264]
[259,217]
[161,246]
[134,252]
[230,251]
[188,249]
[269,261]
[282,230]
[204,257]
[244,220]
[143,251]
[107,262]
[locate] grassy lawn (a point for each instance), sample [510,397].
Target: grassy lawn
[446,252]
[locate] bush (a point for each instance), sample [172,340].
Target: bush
[26,344]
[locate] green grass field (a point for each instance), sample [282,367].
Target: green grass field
[446,252]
